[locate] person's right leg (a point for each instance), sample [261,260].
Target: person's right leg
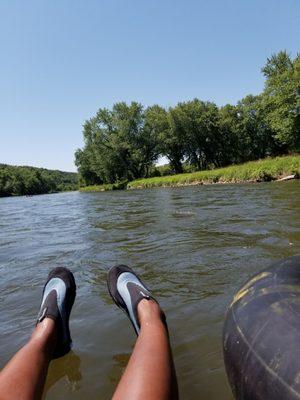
[23,378]
[150,373]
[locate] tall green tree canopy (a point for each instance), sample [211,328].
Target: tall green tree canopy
[120,144]
[125,142]
[281,99]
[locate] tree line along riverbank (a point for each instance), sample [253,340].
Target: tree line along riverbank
[18,181]
[265,170]
[124,143]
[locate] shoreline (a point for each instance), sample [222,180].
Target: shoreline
[178,185]
[266,170]
[209,183]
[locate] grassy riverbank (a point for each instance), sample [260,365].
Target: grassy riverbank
[254,171]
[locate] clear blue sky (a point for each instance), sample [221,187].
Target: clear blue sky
[62,60]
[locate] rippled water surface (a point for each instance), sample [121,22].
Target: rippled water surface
[193,246]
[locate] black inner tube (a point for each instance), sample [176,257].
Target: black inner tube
[261,336]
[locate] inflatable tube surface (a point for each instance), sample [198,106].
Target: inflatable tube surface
[261,337]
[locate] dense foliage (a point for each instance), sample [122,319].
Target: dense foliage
[29,180]
[124,143]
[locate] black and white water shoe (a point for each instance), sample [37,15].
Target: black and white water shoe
[58,298]
[127,290]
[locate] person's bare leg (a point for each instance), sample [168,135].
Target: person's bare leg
[150,373]
[23,378]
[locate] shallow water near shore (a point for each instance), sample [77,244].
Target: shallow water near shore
[193,246]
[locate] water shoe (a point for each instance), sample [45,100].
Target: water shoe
[127,290]
[58,298]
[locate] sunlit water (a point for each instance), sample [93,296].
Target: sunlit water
[193,246]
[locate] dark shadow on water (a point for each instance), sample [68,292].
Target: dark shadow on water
[120,363]
[67,368]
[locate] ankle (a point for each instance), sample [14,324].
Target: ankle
[150,313]
[45,333]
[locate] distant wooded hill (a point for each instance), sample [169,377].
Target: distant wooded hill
[17,181]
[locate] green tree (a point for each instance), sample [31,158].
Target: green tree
[120,144]
[281,99]
[229,127]
[255,137]
[171,139]
[200,129]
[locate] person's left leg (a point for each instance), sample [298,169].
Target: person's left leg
[150,373]
[24,376]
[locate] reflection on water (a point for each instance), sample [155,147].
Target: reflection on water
[120,362]
[193,246]
[68,368]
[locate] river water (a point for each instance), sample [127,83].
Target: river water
[193,246]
